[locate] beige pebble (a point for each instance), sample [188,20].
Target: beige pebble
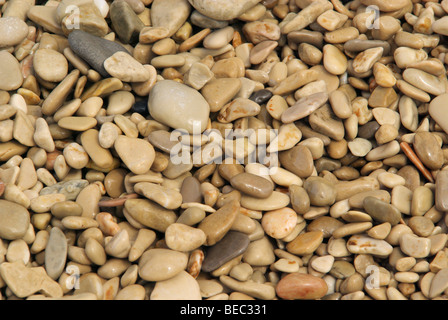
[161,264]
[334,60]
[181,237]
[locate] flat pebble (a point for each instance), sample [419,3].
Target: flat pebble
[232,245]
[297,286]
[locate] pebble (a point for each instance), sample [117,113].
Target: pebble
[13,30]
[428,150]
[138,162]
[193,111]
[181,237]
[276,200]
[232,245]
[125,21]
[170,14]
[218,92]
[298,286]
[305,243]
[298,160]
[150,214]
[362,244]
[180,287]
[14,225]
[336,146]
[24,281]
[160,264]
[9,72]
[94,50]
[166,197]
[259,252]
[56,253]
[217,224]
[252,289]
[320,191]
[304,107]
[279,223]
[223,10]
[414,246]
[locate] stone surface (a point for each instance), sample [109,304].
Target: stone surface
[150,214]
[170,14]
[297,286]
[232,245]
[161,264]
[181,237]
[56,253]
[24,281]
[169,97]
[217,224]
[125,68]
[10,74]
[137,154]
[92,49]
[15,220]
[381,211]
[180,287]
[125,21]
[13,31]
[222,10]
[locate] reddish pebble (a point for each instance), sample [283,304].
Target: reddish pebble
[300,286]
[51,158]
[2,187]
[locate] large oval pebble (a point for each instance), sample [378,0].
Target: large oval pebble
[298,286]
[170,97]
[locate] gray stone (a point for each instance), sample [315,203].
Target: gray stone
[93,50]
[125,22]
[70,189]
[232,245]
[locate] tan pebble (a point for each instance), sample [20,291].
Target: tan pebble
[161,264]
[334,60]
[181,237]
[380,231]
[279,223]
[78,223]
[125,68]
[77,123]
[43,203]
[180,287]
[259,253]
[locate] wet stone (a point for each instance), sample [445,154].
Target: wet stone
[232,245]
